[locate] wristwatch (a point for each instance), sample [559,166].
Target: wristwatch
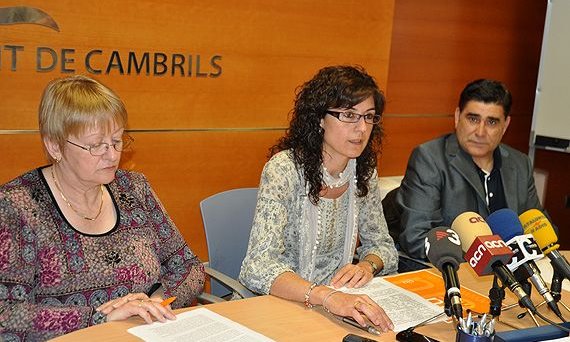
[373,264]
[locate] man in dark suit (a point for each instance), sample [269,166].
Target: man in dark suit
[469,170]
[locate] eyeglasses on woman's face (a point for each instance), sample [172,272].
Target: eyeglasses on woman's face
[100,149]
[352,116]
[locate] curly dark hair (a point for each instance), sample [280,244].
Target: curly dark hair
[331,87]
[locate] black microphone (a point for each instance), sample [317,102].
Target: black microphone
[556,286]
[443,249]
[506,224]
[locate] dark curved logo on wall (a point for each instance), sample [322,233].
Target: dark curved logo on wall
[99,61]
[26,15]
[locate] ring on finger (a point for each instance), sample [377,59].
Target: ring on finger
[357,304]
[141,302]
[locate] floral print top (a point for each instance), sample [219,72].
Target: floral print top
[52,277]
[274,244]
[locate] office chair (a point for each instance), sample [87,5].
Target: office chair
[227,218]
[392,215]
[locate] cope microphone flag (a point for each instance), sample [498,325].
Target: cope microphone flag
[488,253]
[535,222]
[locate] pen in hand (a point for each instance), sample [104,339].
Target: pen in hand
[354,323]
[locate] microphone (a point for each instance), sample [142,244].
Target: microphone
[443,249]
[534,222]
[506,224]
[488,253]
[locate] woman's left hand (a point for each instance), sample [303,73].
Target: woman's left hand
[352,276]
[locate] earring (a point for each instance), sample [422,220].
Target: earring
[57,160]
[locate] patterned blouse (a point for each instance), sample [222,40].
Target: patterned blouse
[52,277]
[274,244]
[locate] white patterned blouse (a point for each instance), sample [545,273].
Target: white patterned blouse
[275,244]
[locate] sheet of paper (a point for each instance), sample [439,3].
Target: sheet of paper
[430,286]
[199,325]
[404,308]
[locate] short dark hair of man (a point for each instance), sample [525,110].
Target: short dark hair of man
[487,91]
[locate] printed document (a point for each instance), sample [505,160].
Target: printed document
[430,286]
[404,308]
[200,325]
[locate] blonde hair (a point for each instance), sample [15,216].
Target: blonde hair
[76,104]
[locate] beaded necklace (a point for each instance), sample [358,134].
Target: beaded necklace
[69,203]
[343,177]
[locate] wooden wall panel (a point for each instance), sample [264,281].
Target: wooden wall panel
[440,45]
[402,134]
[20,153]
[265,49]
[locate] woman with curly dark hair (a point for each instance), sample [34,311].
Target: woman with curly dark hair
[319,195]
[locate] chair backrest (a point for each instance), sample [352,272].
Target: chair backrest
[392,214]
[227,218]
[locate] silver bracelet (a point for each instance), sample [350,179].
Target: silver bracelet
[326,298]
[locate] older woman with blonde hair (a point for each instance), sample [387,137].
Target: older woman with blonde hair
[81,241]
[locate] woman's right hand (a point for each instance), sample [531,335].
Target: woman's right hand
[136,304]
[359,307]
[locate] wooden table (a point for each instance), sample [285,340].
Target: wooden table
[283,320]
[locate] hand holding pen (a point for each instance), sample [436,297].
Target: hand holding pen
[138,304]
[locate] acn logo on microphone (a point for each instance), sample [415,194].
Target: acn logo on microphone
[485,251]
[476,219]
[486,246]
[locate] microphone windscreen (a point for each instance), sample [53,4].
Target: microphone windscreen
[468,226]
[485,252]
[535,222]
[505,223]
[443,246]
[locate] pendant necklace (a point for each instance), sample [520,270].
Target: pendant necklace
[69,203]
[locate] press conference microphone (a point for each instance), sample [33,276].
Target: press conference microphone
[443,249]
[506,224]
[488,253]
[534,222]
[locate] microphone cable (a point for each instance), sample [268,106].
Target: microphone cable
[557,325]
[421,324]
